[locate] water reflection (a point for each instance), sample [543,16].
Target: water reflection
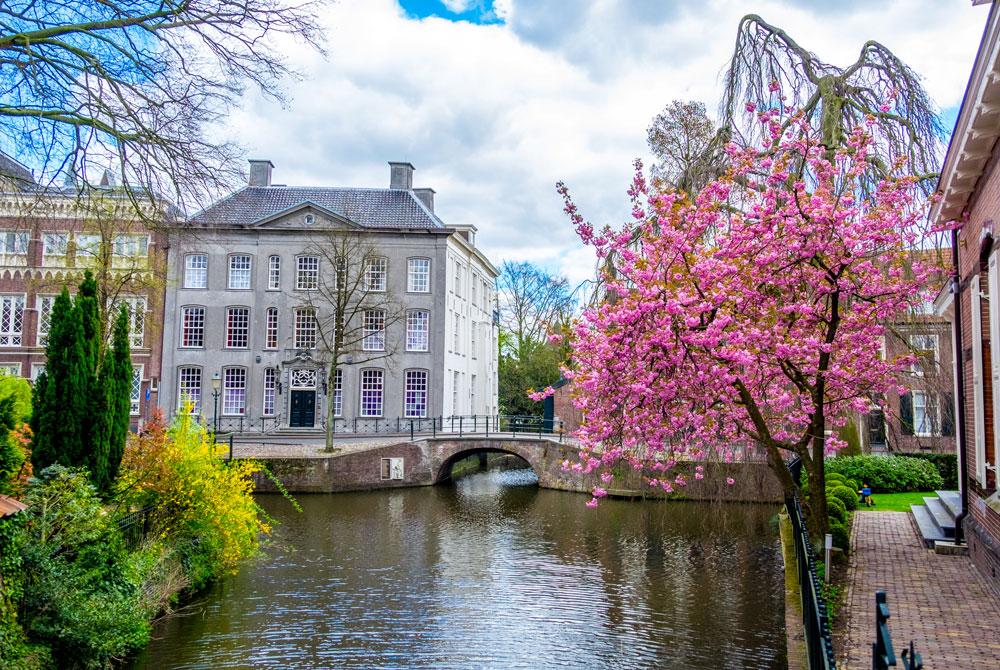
[493,572]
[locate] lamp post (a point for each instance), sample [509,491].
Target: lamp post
[216,385]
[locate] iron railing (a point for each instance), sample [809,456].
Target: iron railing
[883,656]
[819,644]
[472,424]
[135,527]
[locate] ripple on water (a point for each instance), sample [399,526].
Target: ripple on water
[493,573]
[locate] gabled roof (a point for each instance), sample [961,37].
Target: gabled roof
[368,207]
[976,129]
[14,170]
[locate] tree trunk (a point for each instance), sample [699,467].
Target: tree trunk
[331,378]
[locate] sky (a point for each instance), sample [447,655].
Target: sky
[494,101]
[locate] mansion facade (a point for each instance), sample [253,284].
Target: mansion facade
[243,306]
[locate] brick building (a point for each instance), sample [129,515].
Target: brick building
[48,237]
[970,196]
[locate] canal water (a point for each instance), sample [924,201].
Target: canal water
[493,572]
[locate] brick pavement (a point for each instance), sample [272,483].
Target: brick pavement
[942,603]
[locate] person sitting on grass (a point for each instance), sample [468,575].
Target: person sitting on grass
[866,495]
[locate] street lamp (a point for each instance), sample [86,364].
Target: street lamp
[216,384]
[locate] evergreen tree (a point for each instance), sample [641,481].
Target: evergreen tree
[114,387]
[61,409]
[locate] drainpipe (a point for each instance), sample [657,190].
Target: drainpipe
[963,473]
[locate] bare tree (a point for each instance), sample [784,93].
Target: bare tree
[688,146]
[138,85]
[836,99]
[532,301]
[349,302]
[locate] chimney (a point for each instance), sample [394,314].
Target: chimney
[401,176]
[260,172]
[426,196]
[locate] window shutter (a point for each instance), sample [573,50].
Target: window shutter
[906,413]
[948,415]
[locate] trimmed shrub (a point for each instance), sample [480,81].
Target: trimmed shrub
[845,495]
[835,477]
[836,510]
[888,474]
[841,533]
[854,485]
[946,464]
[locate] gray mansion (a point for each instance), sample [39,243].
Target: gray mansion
[240,328]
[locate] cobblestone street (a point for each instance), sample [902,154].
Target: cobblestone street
[942,603]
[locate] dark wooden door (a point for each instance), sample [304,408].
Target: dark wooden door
[303,410]
[876,430]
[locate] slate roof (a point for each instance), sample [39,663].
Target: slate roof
[11,168]
[368,207]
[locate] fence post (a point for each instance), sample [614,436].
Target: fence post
[460,419]
[230,446]
[434,427]
[883,655]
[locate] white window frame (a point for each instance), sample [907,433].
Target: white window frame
[925,400]
[416,387]
[57,238]
[418,339]
[307,278]
[916,346]
[234,395]
[376,277]
[184,391]
[11,319]
[135,395]
[274,272]
[978,394]
[270,397]
[372,383]
[136,318]
[196,272]
[373,325]
[272,328]
[197,328]
[14,242]
[305,328]
[43,307]
[418,275]
[12,369]
[337,397]
[36,369]
[236,328]
[130,245]
[235,260]
[88,245]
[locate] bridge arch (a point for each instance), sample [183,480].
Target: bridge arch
[456,450]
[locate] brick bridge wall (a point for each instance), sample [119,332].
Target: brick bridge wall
[428,462]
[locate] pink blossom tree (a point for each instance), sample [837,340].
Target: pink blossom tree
[751,318]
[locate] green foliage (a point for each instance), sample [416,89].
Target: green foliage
[835,509]
[946,464]
[849,497]
[82,594]
[11,455]
[19,390]
[112,406]
[888,474]
[537,368]
[832,477]
[841,535]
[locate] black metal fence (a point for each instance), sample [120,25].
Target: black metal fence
[135,527]
[472,424]
[819,644]
[883,655]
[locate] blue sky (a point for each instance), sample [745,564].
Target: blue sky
[494,101]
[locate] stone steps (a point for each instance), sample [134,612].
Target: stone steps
[936,517]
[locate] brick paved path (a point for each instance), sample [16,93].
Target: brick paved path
[942,603]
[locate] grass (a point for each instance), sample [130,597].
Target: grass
[895,502]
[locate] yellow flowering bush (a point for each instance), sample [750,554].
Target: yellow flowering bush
[203,505]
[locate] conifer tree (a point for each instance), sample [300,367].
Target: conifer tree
[114,387]
[62,405]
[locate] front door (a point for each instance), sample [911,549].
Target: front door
[876,430]
[303,410]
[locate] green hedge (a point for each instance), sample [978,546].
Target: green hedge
[946,464]
[889,474]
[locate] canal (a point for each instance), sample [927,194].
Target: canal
[493,572]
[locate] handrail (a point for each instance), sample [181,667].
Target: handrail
[883,655]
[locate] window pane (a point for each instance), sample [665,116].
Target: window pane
[55,244]
[371,393]
[238,327]
[415,394]
[271,329]
[418,275]
[417,330]
[305,328]
[274,272]
[189,388]
[45,303]
[13,242]
[196,271]
[375,274]
[193,327]
[234,391]
[374,330]
[239,272]
[270,385]
[307,273]
[11,319]
[338,392]
[136,397]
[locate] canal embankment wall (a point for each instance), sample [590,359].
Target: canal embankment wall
[427,462]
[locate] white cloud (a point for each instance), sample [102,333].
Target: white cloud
[493,115]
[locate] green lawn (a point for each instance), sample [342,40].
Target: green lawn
[896,502]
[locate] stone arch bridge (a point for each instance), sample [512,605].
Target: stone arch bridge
[425,462]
